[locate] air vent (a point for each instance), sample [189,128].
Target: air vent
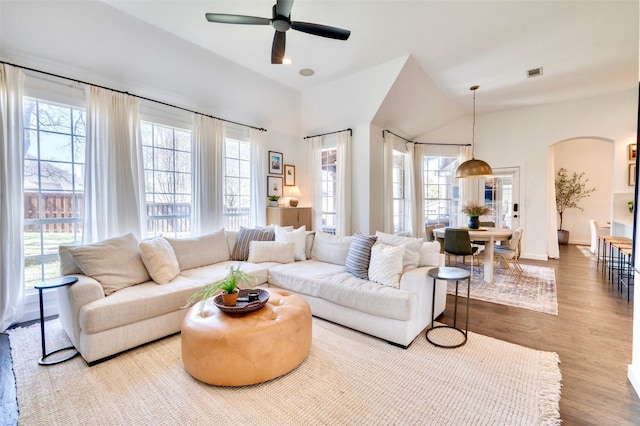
[535,72]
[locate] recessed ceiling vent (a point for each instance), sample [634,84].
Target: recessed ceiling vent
[535,72]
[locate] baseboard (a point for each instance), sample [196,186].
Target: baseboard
[633,375]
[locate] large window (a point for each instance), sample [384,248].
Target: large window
[55,139]
[441,194]
[167,171]
[399,203]
[329,190]
[237,183]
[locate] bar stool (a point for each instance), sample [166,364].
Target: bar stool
[615,244]
[625,271]
[604,250]
[449,273]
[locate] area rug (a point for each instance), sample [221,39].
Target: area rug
[347,378]
[536,291]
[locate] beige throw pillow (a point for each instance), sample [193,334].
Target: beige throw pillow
[160,260]
[297,236]
[194,252]
[412,247]
[271,251]
[115,263]
[386,264]
[330,248]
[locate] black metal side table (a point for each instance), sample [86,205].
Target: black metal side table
[450,274]
[45,285]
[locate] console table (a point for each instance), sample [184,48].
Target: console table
[289,216]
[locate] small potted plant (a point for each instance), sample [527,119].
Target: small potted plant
[229,287]
[474,211]
[273,199]
[569,192]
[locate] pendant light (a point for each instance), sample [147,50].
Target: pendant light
[473,168]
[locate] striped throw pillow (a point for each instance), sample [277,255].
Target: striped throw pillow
[245,236]
[359,254]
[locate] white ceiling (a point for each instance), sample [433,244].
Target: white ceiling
[586,48]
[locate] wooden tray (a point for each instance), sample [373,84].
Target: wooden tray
[243,307]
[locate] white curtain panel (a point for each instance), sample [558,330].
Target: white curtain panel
[418,189]
[114,177]
[315,179]
[208,164]
[411,210]
[11,196]
[257,215]
[343,187]
[387,189]
[553,249]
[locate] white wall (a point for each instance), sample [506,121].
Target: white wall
[595,158]
[521,137]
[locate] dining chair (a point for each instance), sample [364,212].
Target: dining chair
[481,244]
[509,254]
[429,234]
[458,243]
[596,232]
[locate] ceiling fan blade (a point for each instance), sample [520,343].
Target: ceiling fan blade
[277,50]
[283,7]
[237,19]
[321,30]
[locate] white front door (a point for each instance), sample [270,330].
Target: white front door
[501,193]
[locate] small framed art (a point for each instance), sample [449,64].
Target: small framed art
[289,175]
[632,152]
[274,186]
[632,174]
[275,163]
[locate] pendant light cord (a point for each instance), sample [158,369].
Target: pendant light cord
[473,127]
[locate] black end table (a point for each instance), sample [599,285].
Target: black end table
[450,274]
[45,285]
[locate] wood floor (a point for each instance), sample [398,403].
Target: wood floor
[591,333]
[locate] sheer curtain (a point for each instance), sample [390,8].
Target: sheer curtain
[11,196]
[418,189]
[343,186]
[315,180]
[208,160]
[410,212]
[258,208]
[387,189]
[553,250]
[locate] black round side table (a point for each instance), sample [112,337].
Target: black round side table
[450,274]
[45,285]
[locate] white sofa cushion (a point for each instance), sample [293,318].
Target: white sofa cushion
[412,248]
[160,260]
[386,264]
[359,255]
[297,236]
[330,248]
[271,251]
[304,277]
[194,252]
[68,265]
[115,263]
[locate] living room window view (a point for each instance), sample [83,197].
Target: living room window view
[307,208]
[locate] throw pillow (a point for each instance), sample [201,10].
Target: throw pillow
[359,255]
[245,236]
[68,266]
[160,260]
[386,264]
[194,252]
[271,251]
[430,254]
[330,248]
[297,236]
[412,247]
[115,263]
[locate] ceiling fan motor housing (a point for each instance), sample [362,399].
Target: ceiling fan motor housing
[279,22]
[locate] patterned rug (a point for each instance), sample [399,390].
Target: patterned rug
[536,291]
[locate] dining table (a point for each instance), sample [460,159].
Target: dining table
[487,235]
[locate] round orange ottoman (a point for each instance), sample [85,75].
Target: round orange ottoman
[226,350]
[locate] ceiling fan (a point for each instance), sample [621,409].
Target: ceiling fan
[282,22]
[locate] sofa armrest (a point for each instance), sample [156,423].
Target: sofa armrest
[72,298]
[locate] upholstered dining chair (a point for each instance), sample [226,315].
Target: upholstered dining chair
[458,243]
[508,255]
[596,232]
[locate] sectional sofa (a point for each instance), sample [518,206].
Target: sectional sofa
[132,292]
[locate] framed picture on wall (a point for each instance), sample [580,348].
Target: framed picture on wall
[632,152]
[275,163]
[289,175]
[632,174]
[274,186]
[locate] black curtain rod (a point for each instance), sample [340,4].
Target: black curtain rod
[331,133]
[130,94]
[424,143]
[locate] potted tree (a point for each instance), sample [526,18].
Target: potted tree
[474,211]
[229,287]
[569,192]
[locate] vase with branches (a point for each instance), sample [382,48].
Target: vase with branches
[570,190]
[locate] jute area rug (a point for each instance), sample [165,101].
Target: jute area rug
[536,291]
[347,378]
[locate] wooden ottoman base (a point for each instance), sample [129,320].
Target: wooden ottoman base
[226,350]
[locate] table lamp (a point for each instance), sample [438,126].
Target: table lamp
[293,192]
